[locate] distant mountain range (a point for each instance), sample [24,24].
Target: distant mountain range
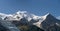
[23,17]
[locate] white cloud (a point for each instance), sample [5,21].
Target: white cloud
[21,12]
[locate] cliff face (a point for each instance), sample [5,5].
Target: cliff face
[49,21]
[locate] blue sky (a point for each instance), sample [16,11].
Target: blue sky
[38,7]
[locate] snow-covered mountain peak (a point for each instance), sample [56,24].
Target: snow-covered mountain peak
[48,15]
[2,15]
[43,17]
[32,19]
[22,14]
[17,16]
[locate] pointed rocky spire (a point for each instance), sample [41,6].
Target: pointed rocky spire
[47,14]
[44,17]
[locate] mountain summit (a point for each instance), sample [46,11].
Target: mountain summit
[24,17]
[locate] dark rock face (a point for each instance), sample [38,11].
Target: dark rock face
[23,21]
[50,20]
[2,28]
[35,28]
[53,28]
[29,28]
